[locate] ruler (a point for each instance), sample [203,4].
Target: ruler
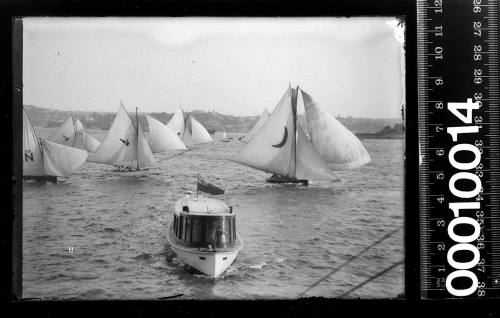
[458,127]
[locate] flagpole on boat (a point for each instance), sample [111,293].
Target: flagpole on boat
[137,136]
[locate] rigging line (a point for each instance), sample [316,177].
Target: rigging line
[372,278]
[349,260]
[180,153]
[169,297]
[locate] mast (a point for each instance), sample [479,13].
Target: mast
[294,112]
[186,121]
[137,136]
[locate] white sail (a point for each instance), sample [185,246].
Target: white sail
[60,160]
[162,138]
[310,165]
[177,123]
[187,138]
[199,134]
[32,151]
[124,145]
[263,118]
[82,139]
[338,146]
[65,134]
[145,155]
[224,135]
[272,147]
[114,140]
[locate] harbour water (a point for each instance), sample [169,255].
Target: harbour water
[102,234]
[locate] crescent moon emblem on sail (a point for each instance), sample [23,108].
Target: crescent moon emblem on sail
[283,142]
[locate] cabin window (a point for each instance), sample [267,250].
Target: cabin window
[211,232]
[197,228]
[189,229]
[184,224]
[175,225]
[181,233]
[178,226]
[203,231]
[230,229]
[233,227]
[224,234]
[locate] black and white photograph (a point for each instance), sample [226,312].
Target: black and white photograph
[213,158]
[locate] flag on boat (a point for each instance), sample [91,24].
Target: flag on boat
[207,187]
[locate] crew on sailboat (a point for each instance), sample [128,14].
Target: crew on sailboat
[282,148]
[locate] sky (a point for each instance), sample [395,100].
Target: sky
[237,66]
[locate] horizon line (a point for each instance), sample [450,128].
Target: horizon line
[195,110]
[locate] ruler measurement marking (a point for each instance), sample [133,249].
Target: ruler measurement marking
[429,70]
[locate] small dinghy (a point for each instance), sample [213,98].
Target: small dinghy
[203,234]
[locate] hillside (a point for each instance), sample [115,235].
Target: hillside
[388,132]
[46,117]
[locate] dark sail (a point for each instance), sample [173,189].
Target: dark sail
[208,187]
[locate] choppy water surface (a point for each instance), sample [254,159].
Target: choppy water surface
[293,235]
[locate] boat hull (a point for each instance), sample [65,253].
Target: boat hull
[40,178]
[281,179]
[132,172]
[212,263]
[209,263]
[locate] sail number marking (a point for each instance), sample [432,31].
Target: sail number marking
[28,155]
[461,210]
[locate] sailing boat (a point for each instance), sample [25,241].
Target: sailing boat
[282,147]
[180,124]
[224,136]
[262,119]
[125,145]
[84,140]
[47,160]
[74,135]
[65,134]
[162,138]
